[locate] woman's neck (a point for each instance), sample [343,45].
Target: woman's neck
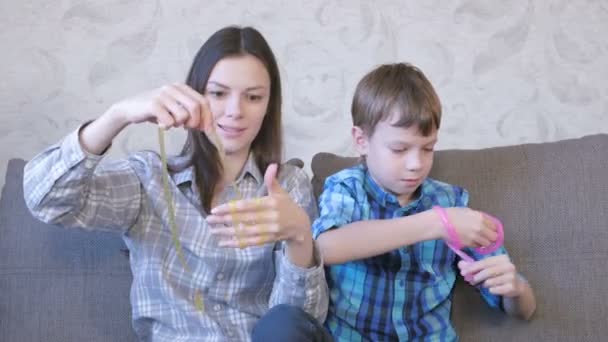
[233,164]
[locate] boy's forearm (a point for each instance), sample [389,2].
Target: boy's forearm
[522,306]
[365,239]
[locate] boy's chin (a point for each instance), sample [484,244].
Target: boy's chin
[406,192]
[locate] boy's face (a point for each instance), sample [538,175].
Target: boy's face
[398,158]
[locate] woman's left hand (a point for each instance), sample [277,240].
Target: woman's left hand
[251,222]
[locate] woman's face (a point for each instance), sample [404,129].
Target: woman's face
[238,91]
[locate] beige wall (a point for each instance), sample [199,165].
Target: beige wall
[507,71]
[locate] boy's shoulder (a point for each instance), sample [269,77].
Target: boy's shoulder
[351,178]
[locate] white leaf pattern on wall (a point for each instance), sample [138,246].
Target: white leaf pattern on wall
[30,75]
[122,54]
[102,12]
[521,124]
[506,71]
[580,41]
[504,43]
[481,9]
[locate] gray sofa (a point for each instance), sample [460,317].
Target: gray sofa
[68,285]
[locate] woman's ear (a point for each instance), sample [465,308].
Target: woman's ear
[360,139]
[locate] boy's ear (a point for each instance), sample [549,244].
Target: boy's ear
[360,139]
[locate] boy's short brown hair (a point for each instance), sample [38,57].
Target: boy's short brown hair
[400,89]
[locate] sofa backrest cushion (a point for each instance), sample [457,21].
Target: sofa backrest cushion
[58,284]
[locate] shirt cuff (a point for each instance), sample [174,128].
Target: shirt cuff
[75,153]
[301,276]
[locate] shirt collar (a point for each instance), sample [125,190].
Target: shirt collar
[384,197]
[251,168]
[186,174]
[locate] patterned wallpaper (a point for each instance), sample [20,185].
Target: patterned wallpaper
[507,71]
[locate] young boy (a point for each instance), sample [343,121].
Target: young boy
[390,271]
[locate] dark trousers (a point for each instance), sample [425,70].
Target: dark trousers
[288,323]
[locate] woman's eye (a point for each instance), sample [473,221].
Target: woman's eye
[216,93]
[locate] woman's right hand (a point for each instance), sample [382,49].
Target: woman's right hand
[175,105]
[474,229]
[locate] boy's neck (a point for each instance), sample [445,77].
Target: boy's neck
[402,199]
[405,200]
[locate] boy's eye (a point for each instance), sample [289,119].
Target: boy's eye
[398,150]
[429,149]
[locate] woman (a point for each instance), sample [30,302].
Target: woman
[200,286]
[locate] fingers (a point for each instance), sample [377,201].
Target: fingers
[177,111]
[508,289]
[188,107]
[499,279]
[206,117]
[243,206]
[250,217]
[483,233]
[243,236]
[490,269]
[482,241]
[245,231]
[245,223]
[270,180]
[162,116]
[490,233]
[247,242]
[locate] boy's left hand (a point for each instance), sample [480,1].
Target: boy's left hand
[497,273]
[252,222]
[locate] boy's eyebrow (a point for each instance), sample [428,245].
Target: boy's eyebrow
[227,87]
[400,142]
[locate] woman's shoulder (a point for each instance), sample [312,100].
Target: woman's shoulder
[291,175]
[145,160]
[148,164]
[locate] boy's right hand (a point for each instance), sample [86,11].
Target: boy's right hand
[474,229]
[175,105]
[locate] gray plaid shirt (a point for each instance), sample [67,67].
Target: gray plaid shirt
[67,186]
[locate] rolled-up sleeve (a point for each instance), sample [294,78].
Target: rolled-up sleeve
[65,185]
[337,208]
[295,285]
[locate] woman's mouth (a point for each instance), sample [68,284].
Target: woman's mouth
[231,131]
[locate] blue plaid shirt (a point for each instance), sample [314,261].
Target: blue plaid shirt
[401,295]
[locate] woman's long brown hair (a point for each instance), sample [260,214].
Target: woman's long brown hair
[267,145]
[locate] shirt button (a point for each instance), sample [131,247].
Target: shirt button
[89,163]
[220,276]
[217,307]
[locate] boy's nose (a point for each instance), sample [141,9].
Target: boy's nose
[413,162]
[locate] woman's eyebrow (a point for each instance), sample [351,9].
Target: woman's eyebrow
[259,87]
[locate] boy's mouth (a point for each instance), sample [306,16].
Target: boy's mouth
[411,181]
